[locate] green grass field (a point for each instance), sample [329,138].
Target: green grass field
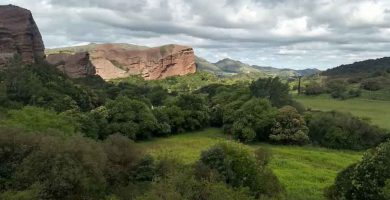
[304,171]
[377,111]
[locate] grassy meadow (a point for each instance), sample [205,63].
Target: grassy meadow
[304,171]
[376,110]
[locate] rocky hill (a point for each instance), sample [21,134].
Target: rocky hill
[19,35]
[112,61]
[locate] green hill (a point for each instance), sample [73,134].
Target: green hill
[229,66]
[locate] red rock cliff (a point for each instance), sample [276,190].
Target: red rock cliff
[19,35]
[116,61]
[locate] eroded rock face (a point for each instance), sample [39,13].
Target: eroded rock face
[74,65]
[115,61]
[19,35]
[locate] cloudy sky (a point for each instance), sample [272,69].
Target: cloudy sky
[281,33]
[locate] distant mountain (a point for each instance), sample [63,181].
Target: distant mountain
[362,67]
[230,67]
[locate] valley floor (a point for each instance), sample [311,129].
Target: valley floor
[378,111]
[304,171]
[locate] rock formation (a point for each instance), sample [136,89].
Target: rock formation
[118,61]
[19,35]
[74,65]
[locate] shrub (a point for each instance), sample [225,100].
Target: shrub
[289,127]
[238,167]
[367,179]
[372,85]
[344,131]
[337,89]
[314,88]
[38,166]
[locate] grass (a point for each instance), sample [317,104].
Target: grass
[304,171]
[376,110]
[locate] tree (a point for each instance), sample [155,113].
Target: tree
[273,90]
[344,131]
[289,127]
[314,88]
[366,180]
[131,118]
[337,89]
[251,121]
[195,110]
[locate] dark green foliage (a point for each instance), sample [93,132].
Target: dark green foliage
[145,169]
[251,121]
[367,180]
[342,188]
[47,167]
[238,167]
[43,85]
[343,131]
[195,111]
[367,66]
[143,91]
[289,127]
[131,118]
[314,88]
[273,90]
[337,89]
[172,116]
[184,186]
[371,84]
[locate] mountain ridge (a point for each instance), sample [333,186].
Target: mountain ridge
[229,66]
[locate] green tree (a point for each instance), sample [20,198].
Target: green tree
[289,127]
[131,118]
[251,121]
[366,180]
[273,90]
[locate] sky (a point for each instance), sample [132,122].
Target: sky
[281,33]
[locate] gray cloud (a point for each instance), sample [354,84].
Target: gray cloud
[284,33]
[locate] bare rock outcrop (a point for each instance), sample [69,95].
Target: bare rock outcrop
[119,61]
[74,65]
[19,35]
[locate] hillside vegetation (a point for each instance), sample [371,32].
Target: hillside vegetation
[63,138]
[304,171]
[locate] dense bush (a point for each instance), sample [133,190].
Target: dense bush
[289,127]
[131,118]
[195,111]
[48,167]
[43,85]
[343,131]
[372,85]
[238,167]
[251,121]
[337,89]
[314,88]
[366,180]
[272,89]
